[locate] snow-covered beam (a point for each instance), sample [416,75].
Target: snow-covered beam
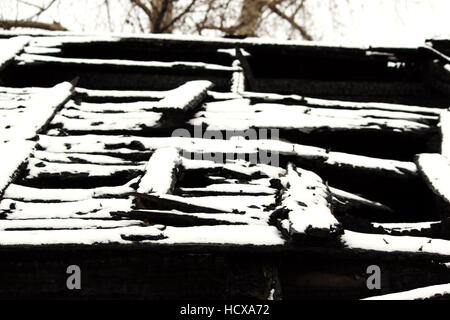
[305,207]
[429,292]
[38,112]
[82,209]
[185,97]
[10,48]
[148,65]
[161,172]
[23,193]
[13,155]
[314,155]
[344,201]
[339,104]
[435,169]
[383,243]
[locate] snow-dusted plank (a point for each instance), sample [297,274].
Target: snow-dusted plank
[444,125]
[255,235]
[38,112]
[239,168]
[416,294]
[40,168]
[185,219]
[236,235]
[306,200]
[92,94]
[233,108]
[64,224]
[81,158]
[406,227]
[108,122]
[401,244]
[185,97]
[208,204]
[83,236]
[338,104]
[10,48]
[229,189]
[103,144]
[23,193]
[12,156]
[161,172]
[87,109]
[149,65]
[303,122]
[86,209]
[125,114]
[348,199]
[435,168]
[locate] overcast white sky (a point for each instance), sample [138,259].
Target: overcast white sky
[390,22]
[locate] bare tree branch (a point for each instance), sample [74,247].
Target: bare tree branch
[179,16]
[294,24]
[9,24]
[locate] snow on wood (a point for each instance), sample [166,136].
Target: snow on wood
[84,236]
[234,108]
[405,227]
[161,172]
[401,244]
[435,169]
[345,198]
[108,123]
[86,109]
[39,111]
[318,156]
[337,104]
[185,219]
[64,224]
[416,294]
[122,94]
[306,202]
[23,193]
[445,133]
[228,189]
[303,122]
[81,158]
[86,209]
[38,168]
[149,65]
[255,235]
[208,204]
[13,155]
[185,97]
[10,48]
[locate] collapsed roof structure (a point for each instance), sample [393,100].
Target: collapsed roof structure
[348,168]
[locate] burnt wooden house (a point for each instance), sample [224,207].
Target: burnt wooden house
[93,175]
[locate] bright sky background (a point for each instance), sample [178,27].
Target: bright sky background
[364,22]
